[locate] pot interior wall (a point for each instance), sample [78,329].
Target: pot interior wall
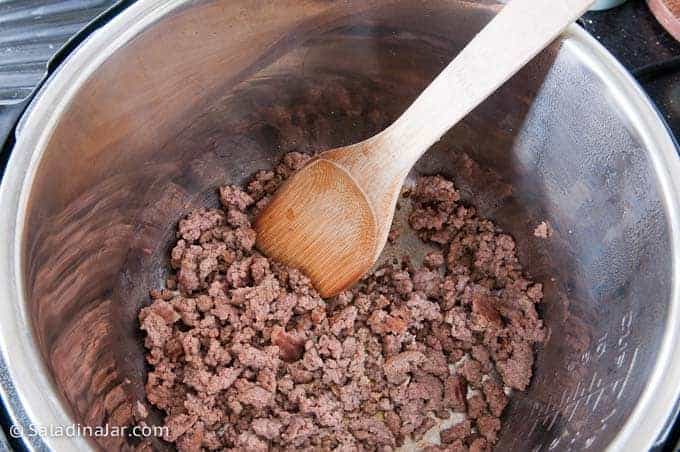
[184,108]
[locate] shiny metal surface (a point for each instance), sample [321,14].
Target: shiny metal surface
[31,32]
[173,98]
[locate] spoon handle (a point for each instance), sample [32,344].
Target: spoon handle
[518,33]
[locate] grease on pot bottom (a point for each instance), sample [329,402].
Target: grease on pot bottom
[244,353]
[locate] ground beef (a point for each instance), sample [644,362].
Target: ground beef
[543,230]
[245,355]
[459,431]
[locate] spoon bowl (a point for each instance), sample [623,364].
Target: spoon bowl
[332,219]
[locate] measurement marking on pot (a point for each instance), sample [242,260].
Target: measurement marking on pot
[597,401]
[564,395]
[609,416]
[630,371]
[588,398]
[593,380]
[554,418]
[576,405]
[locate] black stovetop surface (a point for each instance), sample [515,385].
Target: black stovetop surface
[636,39]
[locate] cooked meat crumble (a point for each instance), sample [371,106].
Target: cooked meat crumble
[245,355]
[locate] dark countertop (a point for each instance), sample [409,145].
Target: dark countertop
[632,34]
[636,39]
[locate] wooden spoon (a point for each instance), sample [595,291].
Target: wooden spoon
[331,219]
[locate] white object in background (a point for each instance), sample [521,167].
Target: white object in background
[606,4]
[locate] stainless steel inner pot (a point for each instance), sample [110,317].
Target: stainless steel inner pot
[172,98]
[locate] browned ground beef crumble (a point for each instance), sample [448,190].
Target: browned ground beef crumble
[245,355]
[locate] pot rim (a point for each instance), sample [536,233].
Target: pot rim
[25,384]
